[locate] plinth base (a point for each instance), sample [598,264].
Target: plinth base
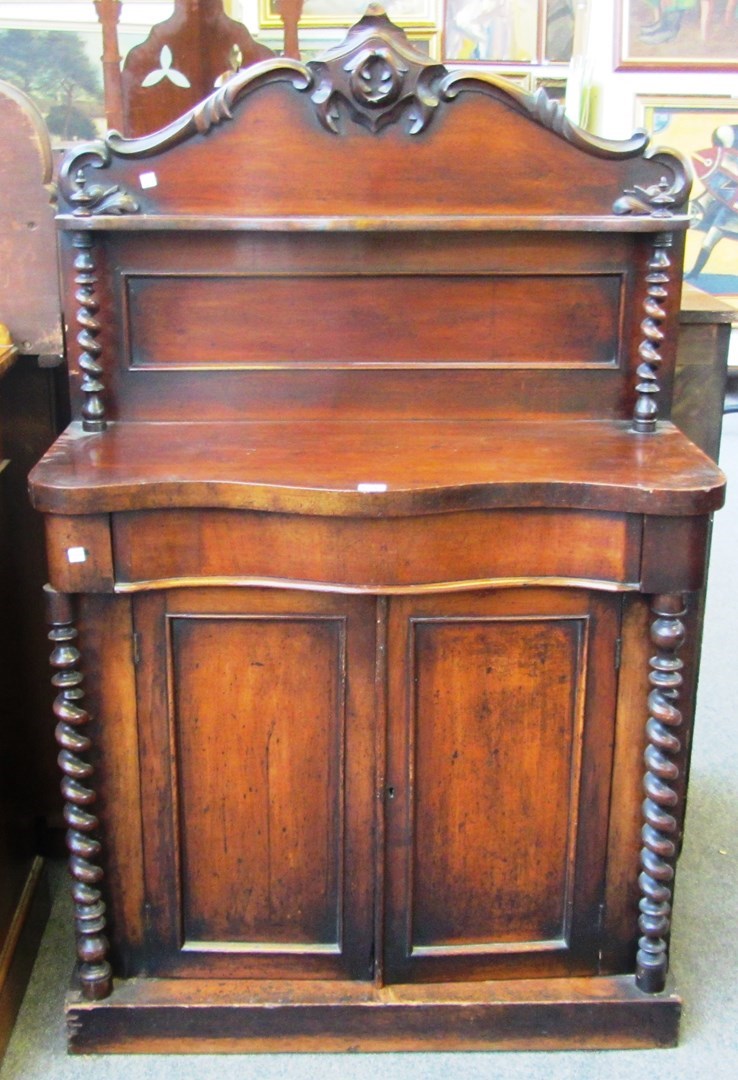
[209,1016]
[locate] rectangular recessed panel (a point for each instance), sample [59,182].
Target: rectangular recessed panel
[190,321]
[260,776]
[497,705]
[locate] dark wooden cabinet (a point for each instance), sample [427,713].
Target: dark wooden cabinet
[372,556]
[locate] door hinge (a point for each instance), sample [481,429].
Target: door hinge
[618,652]
[136,645]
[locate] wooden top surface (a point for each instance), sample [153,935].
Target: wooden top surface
[313,467]
[375,223]
[699,306]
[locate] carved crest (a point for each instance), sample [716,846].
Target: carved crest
[377,77]
[374,78]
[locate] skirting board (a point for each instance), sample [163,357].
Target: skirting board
[208,1016]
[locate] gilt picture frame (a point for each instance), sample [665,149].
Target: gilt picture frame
[419,14]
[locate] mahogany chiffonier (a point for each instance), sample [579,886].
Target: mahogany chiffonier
[371,554]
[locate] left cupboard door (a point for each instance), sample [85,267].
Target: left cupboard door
[256,727]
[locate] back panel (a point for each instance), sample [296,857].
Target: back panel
[272,325]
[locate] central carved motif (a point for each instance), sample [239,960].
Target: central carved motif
[376,78]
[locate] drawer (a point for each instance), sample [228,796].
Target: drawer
[79,553]
[181,547]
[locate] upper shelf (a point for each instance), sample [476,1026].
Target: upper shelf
[376,468]
[381,223]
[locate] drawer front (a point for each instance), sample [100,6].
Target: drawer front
[378,555]
[79,553]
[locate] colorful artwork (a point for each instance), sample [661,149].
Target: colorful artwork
[706,133]
[679,33]
[509,31]
[492,30]
[57,70]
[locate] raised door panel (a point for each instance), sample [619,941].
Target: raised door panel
[257,736]
[500,742]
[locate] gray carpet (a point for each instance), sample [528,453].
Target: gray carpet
[705,938]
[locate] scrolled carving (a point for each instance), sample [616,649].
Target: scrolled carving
[92,386]
[79,795]
[85,197]
[539,107]
[219,106]
[662,198]
[214,110]
[661,827]
[645,411]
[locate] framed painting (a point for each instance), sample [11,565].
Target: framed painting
[327,13]
[705,131]
[492,31]
[53,52]
[655,34]
[60,71]
[508,31]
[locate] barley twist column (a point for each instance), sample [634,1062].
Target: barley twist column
[660,830]
[646,410]
[79,794]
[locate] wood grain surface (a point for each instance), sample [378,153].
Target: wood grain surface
[318,468]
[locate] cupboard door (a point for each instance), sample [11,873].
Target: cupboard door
[501,712]
[256,727]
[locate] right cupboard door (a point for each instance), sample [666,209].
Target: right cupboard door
[500,737]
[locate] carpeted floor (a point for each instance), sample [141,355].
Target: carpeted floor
[705,938]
